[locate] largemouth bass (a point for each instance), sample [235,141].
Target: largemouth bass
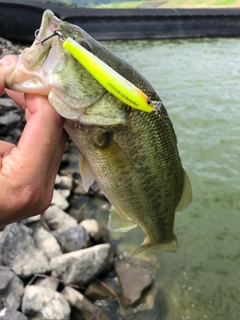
[133,155]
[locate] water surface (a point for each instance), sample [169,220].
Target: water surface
[198,81]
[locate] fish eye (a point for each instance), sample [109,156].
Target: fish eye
[85,45]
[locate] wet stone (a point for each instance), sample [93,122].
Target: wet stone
[77,205]
[98,233]
[6,275]
[59,200]
[133,281]
[7,47]
[11,314]
[12,120]
[47,282]
[12,295]
[82,266]
[20,253]
[64,182]
[56,218]
[39,303]
[76,214]
[72,238]
[83,308]
[78,189]
[6,102]
[65,192]
[77,201]
[9,119]
[45,241]
[31,220]
[96,291]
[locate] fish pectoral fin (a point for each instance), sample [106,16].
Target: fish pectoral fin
[86,173]
[186,197]
[170,246]
[118,222]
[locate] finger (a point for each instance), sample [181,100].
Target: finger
[56,161]
[17,97]
[7,64]
[42,134]
[5,147]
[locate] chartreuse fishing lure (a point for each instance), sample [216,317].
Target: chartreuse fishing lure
[109,78]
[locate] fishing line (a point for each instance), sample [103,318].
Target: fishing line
[56,32]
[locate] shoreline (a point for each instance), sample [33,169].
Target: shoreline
[121,24]
[67,250]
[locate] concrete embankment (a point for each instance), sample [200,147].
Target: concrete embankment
[20,19]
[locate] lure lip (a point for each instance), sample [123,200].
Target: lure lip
[113,82]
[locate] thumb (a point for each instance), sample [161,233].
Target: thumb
[7,64]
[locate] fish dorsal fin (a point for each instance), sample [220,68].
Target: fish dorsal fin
[86,173]
[186,197]
[118,222]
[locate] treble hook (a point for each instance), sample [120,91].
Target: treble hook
[56,32]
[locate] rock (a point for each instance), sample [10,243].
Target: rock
[66,160]
[12,293]
[78,189]
[6,275]
[97,233]
[56,218]
[84,308]
[8,313]
[20,253]
[39,303]
[9,119]
[47,282]
[76,214]
[45,241]
[31,220]
[96,291]
[6,102]
[133,281]
[1,240]
[154,299]
[64,182]
[96,209]
[72,238]
[82,266]
[65,193]
[78,203]
[59,200]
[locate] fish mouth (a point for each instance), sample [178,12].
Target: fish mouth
[48,25]
[35,57]
[40,68]
[32,65]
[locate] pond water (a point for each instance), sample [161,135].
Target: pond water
[198,81]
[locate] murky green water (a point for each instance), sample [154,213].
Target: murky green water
[198,81]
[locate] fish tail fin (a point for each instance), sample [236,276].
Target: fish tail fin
[170,246]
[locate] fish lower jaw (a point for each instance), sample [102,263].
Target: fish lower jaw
[29,87]
[21,80]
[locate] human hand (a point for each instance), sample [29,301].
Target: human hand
[28,170]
